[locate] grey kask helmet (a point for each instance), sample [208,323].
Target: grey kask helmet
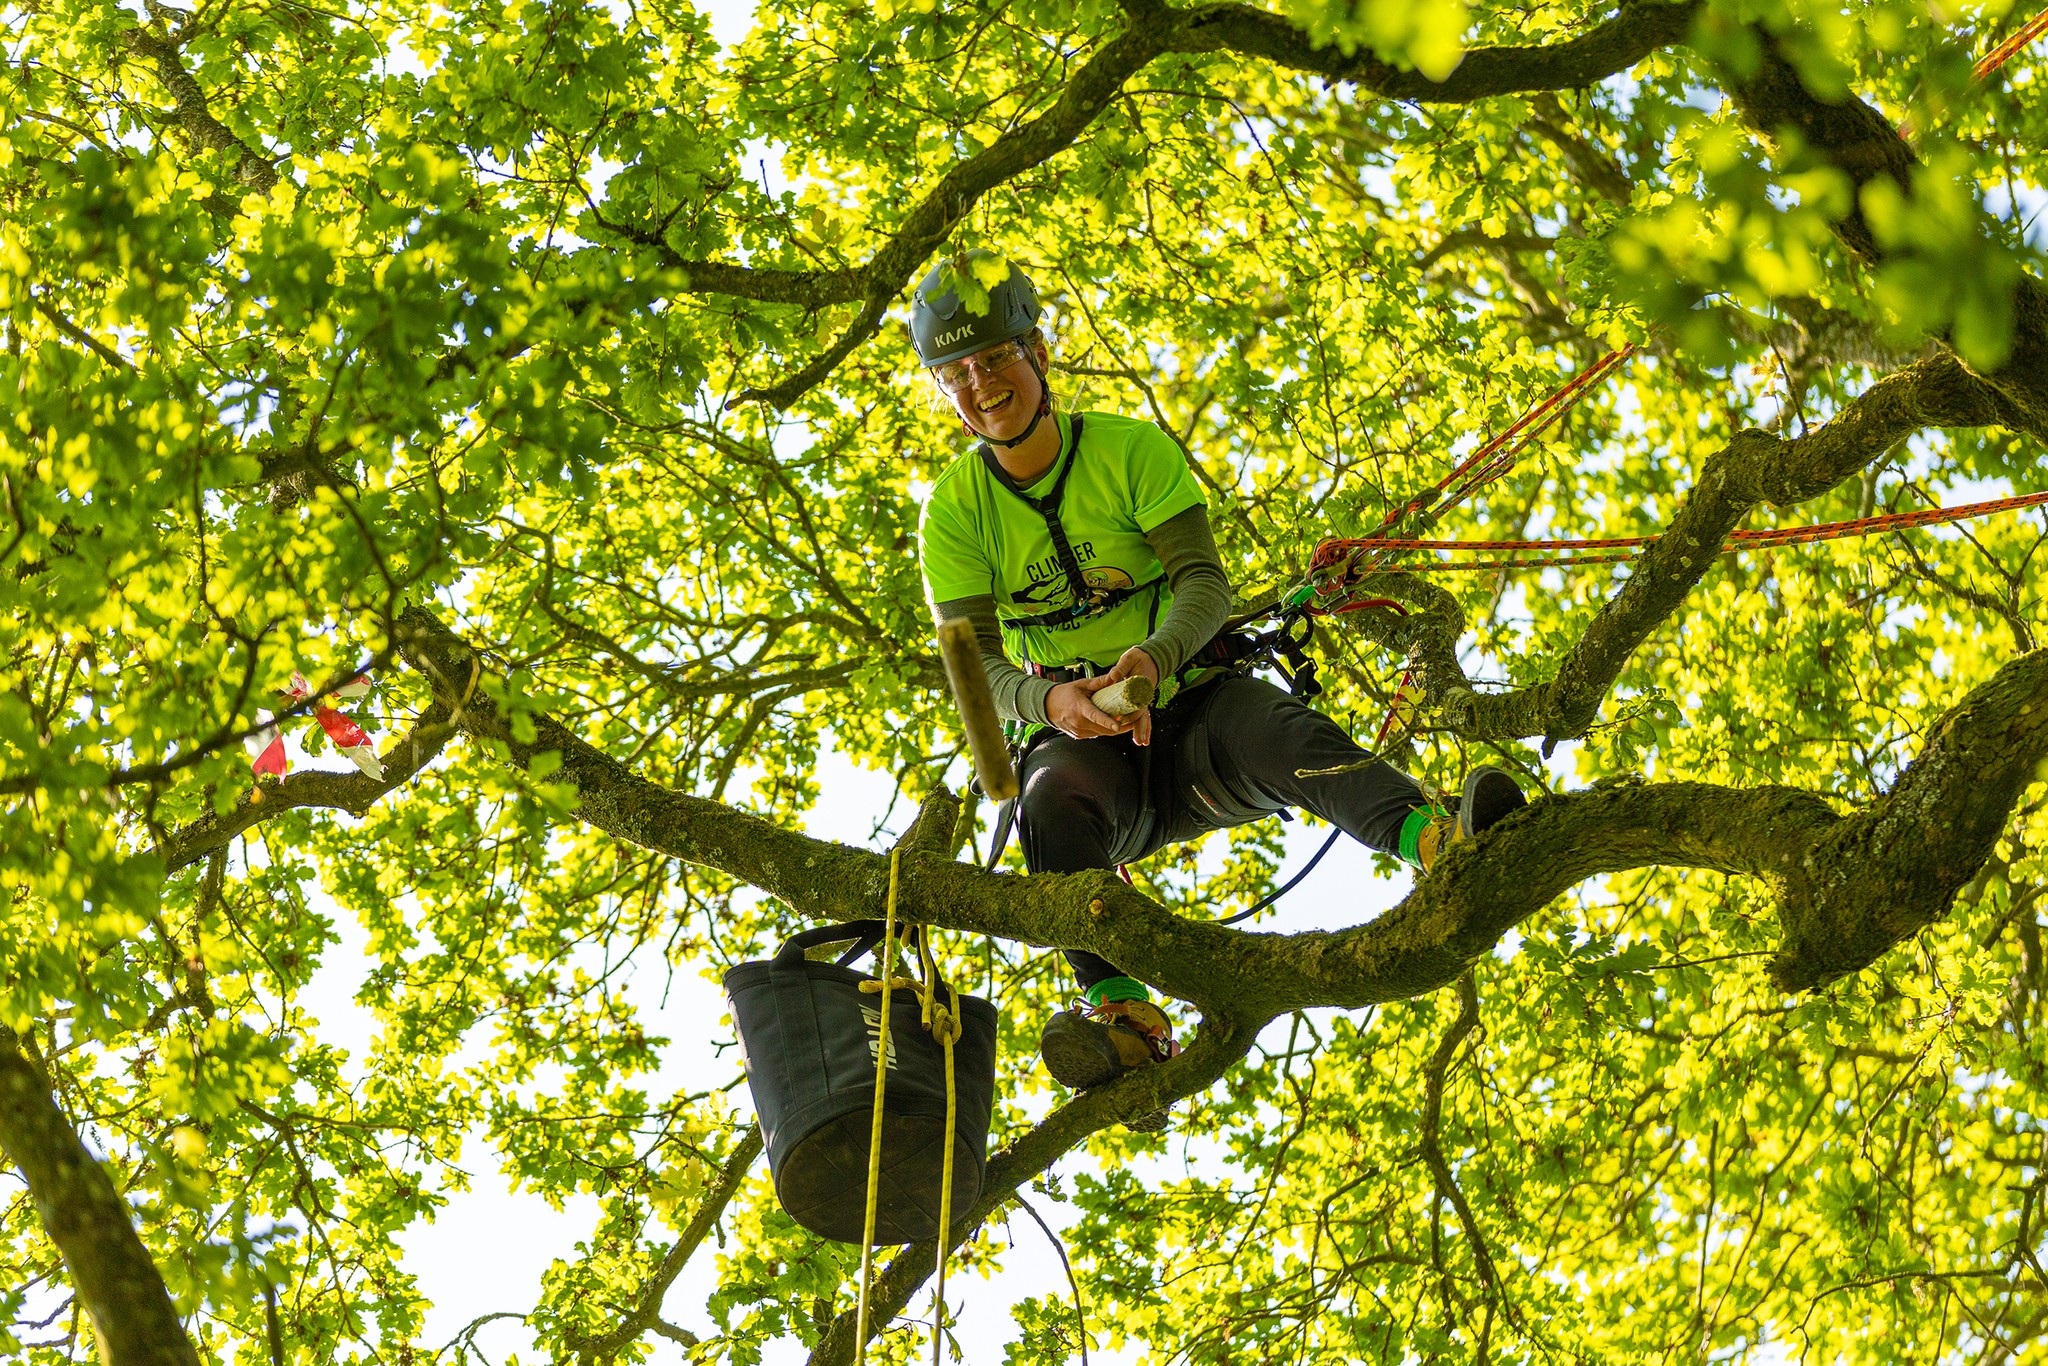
[943,328]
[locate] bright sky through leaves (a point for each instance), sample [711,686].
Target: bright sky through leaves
[546,360]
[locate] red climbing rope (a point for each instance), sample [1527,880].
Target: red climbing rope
[2005,51]
[1497,456]
[1634,545]
[1335,563]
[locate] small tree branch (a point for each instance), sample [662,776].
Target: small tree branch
[354,793]
[784,392]
[1431,1141]
[645,1316]
[83,337]
[1592,164]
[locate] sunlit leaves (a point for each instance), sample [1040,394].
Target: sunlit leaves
[445,359]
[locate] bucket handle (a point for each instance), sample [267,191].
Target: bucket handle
[865,934]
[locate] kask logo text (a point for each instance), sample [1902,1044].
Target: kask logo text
[948,338]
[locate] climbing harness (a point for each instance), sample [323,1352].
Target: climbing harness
[1088,599]
[1233,650]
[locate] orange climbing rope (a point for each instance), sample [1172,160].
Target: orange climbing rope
[1334,564]
[1497,456]
[2007,50]
[1635,545]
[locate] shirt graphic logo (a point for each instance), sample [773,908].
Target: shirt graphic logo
[1047,587]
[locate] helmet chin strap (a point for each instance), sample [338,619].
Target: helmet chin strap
[1044,410]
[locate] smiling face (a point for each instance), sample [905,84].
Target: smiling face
[994,391]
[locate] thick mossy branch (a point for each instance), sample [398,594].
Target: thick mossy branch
[120,1288]
[1475,895]
[165,52]
[1756,467]
[1884,874]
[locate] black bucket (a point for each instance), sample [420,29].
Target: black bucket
[808,1034]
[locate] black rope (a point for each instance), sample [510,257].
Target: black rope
[1249,912]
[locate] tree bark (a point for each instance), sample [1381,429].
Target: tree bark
[1861,143]
[111,1272]
[1792,840]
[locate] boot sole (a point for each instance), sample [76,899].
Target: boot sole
[1078,1058]
[1082,1060]
[1490,796]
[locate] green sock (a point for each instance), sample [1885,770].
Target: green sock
[1411,833]
[1117,989]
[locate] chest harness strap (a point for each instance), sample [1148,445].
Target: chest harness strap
[1088,600]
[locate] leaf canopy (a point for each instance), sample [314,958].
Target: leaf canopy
[582,333]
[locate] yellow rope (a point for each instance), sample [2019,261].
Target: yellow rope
[946,1025]
[943,1020]
[885,961]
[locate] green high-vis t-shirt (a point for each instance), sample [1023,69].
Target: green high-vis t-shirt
[978,537]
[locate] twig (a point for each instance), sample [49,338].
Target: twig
[1080,1317]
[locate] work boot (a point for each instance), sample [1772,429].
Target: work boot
[1089,1045]
[1489,795]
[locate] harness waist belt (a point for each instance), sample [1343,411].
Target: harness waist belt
[1066,675]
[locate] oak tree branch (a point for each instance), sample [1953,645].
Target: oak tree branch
[119,1286]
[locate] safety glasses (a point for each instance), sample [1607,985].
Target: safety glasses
[955,375]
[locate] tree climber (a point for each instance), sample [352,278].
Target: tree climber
[1083,541]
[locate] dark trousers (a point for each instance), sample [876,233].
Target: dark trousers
[1221,755]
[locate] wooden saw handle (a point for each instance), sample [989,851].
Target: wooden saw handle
[1134,694]
[962,653]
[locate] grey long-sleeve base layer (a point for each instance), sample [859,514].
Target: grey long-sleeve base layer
[1201,604]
